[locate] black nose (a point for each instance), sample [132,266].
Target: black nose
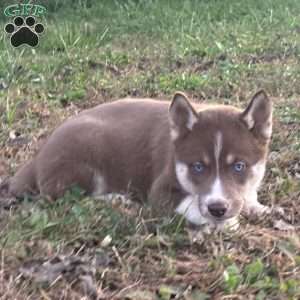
[217,209]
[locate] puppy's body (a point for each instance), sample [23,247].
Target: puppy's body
[103,151]
[179,158]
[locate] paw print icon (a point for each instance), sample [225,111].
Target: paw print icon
[24,31]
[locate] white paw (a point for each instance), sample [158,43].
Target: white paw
[259,210]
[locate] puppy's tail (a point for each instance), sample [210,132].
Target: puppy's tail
[23,183]
[6,201]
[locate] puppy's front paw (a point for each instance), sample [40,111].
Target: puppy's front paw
[259,210]
[256,210]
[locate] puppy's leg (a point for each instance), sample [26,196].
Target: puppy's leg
[55,178]
[167,199]
[253,208]
[164,197]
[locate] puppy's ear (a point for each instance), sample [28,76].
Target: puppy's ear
[258,116]
[182,116]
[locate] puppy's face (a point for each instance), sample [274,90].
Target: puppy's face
[220,156]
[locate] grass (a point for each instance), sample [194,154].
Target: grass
[97,51]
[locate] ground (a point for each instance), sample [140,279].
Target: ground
[97,51]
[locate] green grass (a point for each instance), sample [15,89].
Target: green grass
[97,51]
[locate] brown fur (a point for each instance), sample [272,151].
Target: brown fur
[128,145]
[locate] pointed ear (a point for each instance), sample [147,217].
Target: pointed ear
[182,116]
[258,116]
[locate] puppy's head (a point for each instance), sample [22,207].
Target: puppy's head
[220,155]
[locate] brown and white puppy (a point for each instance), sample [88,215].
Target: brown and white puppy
[205,162]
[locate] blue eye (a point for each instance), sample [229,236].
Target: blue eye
[239,166]
[198,167]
